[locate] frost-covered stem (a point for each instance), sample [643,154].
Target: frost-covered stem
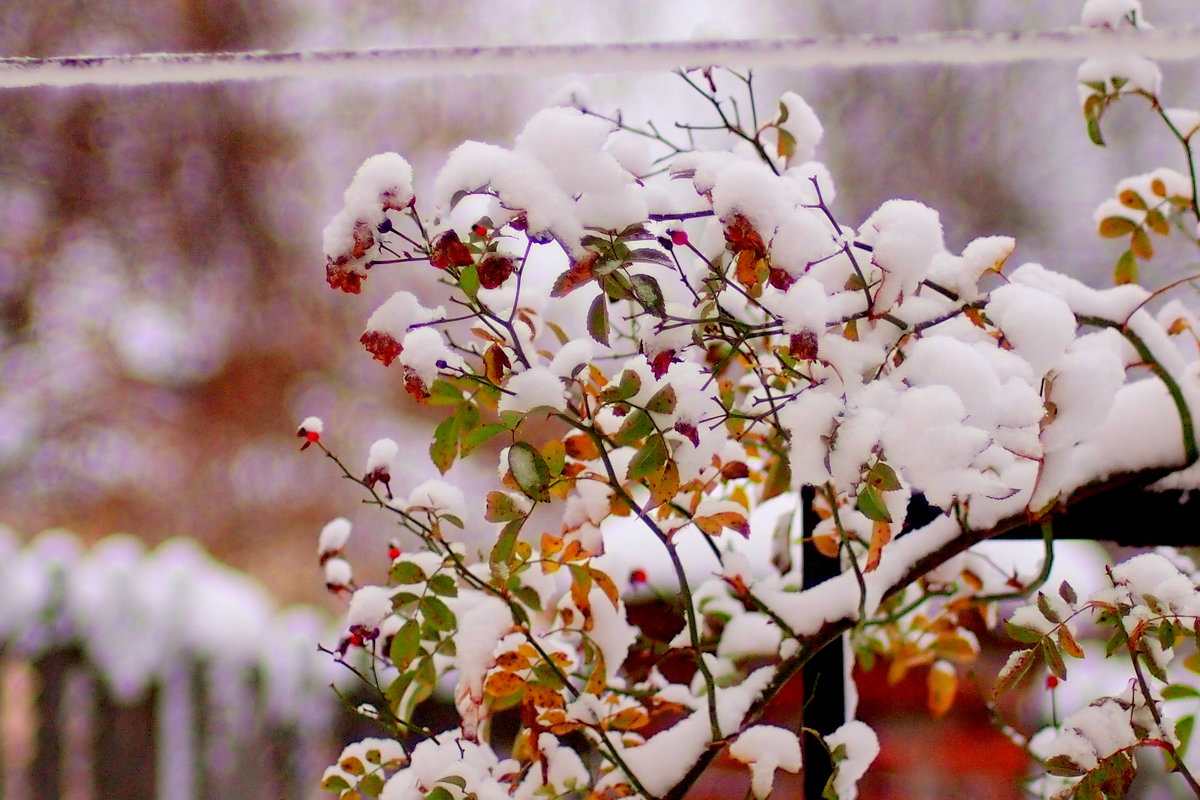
[652,134]
[845,247]
[680,575]
[1185,415]
[1144,685]
[729,126]
[1042,576]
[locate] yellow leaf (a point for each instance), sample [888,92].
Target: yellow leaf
[943,685]
[551,544]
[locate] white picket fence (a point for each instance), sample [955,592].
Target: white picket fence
[127,673]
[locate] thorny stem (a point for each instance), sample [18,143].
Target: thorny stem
[680,575]
[732,127]
[1144,685]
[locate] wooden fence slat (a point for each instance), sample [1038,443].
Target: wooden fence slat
[124,742]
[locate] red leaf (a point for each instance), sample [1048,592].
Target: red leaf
[381,346]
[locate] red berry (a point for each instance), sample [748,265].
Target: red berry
[312,436]
[1052,682]
[679,238]
[479,230]
[393,552]
[637,577]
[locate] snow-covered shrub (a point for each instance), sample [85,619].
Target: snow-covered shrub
[664,340]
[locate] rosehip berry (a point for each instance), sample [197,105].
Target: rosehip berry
[637,577]
[479,230]
[1052,682]
[393,552]
[679,238]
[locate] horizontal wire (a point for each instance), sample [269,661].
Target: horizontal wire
[962,47]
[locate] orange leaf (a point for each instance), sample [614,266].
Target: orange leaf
[512,662]
[881,534]
[577,274]
[714,523]
[503,684]
[581,447]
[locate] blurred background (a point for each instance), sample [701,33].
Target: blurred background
[164,319]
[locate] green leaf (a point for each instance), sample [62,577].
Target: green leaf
[883,477]
[466,418]
[597,319]
[637,425]
[335,783]
[1183,732]
[1014,669]
[501,507]
[1022,633]
[502,550]
[444,393]
[786,147]
[1179,691]
[407,572]
[1043,604]
[871,504]
[629,385]
[371,784]
[529,470]
[444,448]
[1093,131]
[439,793]
[406,645]
[1054,659]
[479,436]
[468,281]
[649,459]
[1116,641]
[437,613]
[663,401]
[444,585]
[1166,635]
[648,293]
[529,596]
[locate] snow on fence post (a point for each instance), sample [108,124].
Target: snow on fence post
[160,674]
